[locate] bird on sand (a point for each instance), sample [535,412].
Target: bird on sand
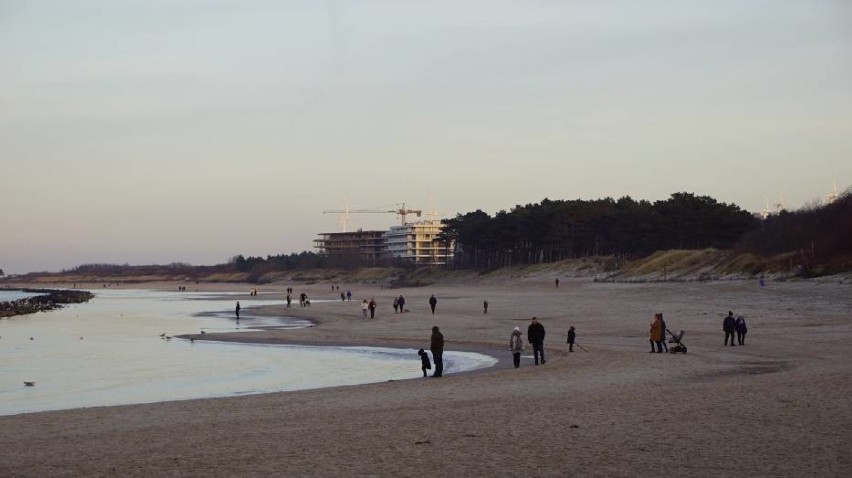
[29,384]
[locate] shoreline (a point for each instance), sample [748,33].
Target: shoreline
[614,410]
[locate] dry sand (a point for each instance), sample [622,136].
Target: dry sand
[779,406]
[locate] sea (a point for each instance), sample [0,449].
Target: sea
[122,348]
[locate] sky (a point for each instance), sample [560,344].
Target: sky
[159,131]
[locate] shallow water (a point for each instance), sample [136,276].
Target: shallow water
[109,352]
[10,295]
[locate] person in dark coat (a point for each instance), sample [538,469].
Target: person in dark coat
[572,336]
[237,310]
[535,336]
[425,363]
[740,326]
[437,348]
[432,303]
[372,306]
[484,306]
[401,303]
[663,333]
[729,326]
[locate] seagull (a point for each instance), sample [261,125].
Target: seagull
[29,384]
[163,334]
[203,332]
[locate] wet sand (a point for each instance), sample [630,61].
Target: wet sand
[779,406]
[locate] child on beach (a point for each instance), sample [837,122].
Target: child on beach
[425,363]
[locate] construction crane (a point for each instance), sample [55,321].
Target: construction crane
[402,211]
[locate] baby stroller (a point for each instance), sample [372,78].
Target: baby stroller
[678,346]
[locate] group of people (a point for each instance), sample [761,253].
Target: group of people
[535,336]
[436,346]
[734,325]
[399,304]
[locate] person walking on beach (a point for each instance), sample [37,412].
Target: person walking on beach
[557,282]
[289,300]
[740,326]
[572,336]
[663,334]
[485,307]
[729,326]
[516,346]
[401,302]
[432,303]
[364,306]
[535,336]
[372,307]
[425,364]
[237,310]
[655,334]
[395,304]
[349,295]
[437,347]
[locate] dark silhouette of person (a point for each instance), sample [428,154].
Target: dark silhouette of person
[484,306]
[740,326]
[729,326]
[557,282]
[237,310]
[401,303]
[289,300]
[432,303]
[437,347]
[425,364]
[349,295]
[663,333]
[372,308]
[572,336]
[535,336]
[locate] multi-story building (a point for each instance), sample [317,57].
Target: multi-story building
[352,248]
[417,243]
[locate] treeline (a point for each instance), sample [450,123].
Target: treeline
[557,230]
[817,238]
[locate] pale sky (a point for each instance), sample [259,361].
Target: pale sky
[155,131]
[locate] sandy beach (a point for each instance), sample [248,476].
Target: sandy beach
[778,406]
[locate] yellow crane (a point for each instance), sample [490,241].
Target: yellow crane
[401,210]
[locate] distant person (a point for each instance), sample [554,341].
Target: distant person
[729,326]
[364,306]
[237,310]
[289,300]
[655,334]
[535,336]
[437,348]
[349,295]
[740,327]
[401,302]
[425,363]
[432,303]
[516,346]
[663,333]
[572,337]
[395,304]
[557,282]
[342,297]
[484,306]
[373,306]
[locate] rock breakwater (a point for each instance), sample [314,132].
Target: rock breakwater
[46,300]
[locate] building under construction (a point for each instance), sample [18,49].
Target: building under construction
[415,243]
[352,248]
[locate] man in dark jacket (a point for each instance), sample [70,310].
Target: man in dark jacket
[729,327]
[535,335]
[437,349]
[432,303]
